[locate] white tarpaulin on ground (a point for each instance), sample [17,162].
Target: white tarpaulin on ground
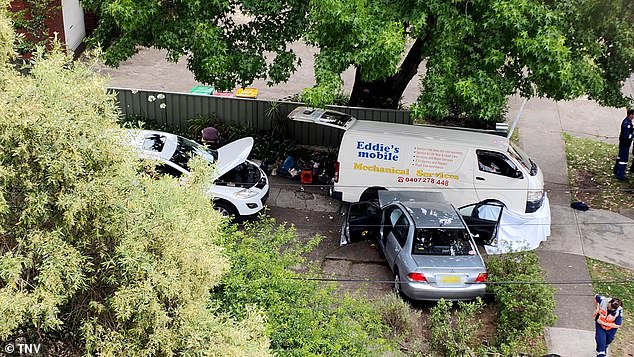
[518,231]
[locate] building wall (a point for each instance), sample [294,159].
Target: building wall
[54,20]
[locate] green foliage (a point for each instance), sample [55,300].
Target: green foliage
[590,168]
[453,333]
[92,252]
[398,314]
[30,23]
[476,53]
[524,309]
[268,144]
[7,35]
[304,318]
[612,56]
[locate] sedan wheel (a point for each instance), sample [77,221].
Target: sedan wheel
[397,283]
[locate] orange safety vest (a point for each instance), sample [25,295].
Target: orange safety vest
[604,317]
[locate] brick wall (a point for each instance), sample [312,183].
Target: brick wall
[54,20]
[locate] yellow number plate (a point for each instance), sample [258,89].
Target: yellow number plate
[450,279]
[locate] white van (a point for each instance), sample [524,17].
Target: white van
[466,166]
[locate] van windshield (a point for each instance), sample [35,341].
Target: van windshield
[523,159]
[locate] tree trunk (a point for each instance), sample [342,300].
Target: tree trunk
[387,93]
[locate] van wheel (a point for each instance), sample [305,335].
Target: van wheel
[225,209]
[371,194]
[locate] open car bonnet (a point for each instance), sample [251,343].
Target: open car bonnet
[233,154]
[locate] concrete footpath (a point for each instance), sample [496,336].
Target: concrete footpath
[575,235]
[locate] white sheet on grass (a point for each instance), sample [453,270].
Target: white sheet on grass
[518,231]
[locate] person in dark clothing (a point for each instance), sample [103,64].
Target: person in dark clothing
[608,317]
[625,141]
[211,137]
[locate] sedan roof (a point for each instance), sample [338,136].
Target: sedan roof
[428,209]
[434,215]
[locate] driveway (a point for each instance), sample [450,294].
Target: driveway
[312,212]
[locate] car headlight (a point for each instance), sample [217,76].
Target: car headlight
[535,195]
[246,193]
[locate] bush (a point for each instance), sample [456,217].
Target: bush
[453,333]
[92,253]
[398,314]
[525,309]
[304,318]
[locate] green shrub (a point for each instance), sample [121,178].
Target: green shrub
[524,309]
[398,314]
[453,332]
[268,144]
[91,252]
[304,317]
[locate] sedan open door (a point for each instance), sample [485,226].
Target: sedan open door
[363,222]
[483,220]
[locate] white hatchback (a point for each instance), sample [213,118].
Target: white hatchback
[241,187]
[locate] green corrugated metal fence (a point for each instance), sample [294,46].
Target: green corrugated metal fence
[175,109]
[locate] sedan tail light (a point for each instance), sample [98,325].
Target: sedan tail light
[482,277]
[420,277]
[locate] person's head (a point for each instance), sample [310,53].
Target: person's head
[630,113]
[615,304]
[210,135]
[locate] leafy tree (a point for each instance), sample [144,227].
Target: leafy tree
[94,254]
[476,52]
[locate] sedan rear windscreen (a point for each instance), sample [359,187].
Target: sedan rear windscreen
[439,241]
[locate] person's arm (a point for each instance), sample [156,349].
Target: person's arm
[609,324]
[619,319]
[597,300]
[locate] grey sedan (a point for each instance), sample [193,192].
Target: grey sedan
[426,244]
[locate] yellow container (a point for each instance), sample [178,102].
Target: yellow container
[247,93]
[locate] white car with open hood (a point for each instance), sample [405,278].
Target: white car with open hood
[240,188]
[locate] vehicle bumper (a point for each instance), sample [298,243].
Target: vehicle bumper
[252,205]
[335,194]
[533,206]
[429,291]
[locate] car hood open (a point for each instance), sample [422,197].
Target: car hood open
[233,154]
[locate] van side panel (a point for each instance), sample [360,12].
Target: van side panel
[387,161]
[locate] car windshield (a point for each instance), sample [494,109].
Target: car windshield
[186,148]
[154,142]
[438,241]
[523,159]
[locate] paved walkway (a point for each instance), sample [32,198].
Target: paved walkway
[575,234]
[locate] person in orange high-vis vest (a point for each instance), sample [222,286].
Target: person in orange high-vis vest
[608,316]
